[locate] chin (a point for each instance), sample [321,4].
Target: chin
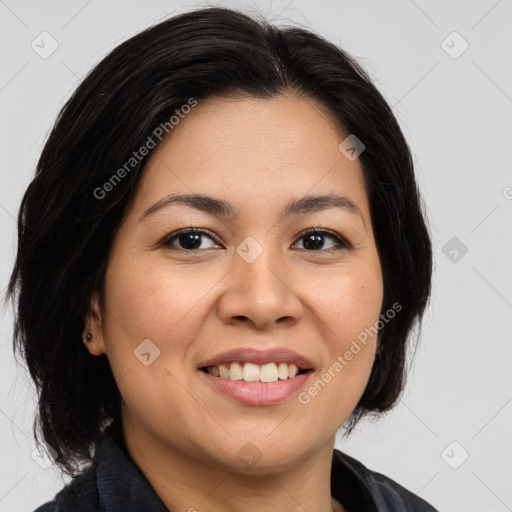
[261,455]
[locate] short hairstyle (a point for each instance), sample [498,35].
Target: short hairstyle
[66,224]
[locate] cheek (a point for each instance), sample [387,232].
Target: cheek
[166,304]
[160,304]
[154,300]
[351,305]
[349,314]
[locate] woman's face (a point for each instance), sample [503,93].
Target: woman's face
[255,282]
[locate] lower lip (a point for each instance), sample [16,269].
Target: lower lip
[258,393]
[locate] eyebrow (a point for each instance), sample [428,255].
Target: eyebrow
[220,208]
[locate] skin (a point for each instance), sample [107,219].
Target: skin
[183,434]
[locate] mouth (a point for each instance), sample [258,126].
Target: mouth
[256,385]
[253,372]
[257,377]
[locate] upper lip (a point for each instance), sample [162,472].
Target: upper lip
[251,355]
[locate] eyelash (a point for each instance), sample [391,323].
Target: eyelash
[341,243]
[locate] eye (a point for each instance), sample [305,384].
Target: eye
[314,240]
[189,239]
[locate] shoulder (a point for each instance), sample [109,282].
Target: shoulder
[398,496]
[383,493]
[82,493]
[78,495]
[113,482]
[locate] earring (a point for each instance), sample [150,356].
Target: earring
[88,337]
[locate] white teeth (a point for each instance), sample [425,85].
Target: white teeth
[282,371]
[250,372]
[268,372]
[236,371]
[223,371]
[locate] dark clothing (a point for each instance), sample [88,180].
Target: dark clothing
[115,484]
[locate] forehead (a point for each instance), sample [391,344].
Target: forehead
[248,149]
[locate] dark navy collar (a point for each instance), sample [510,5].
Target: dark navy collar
[122,487]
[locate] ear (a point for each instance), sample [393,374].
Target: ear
[94,327]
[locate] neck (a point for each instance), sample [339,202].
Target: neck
[184,482]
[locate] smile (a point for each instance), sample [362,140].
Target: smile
[251,372]
[253,384]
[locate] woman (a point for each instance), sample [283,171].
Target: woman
[220,260]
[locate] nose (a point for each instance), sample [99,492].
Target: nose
[260,293]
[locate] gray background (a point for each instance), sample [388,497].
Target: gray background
[456,114]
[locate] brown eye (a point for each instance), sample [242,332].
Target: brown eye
[188,239]
[314,240]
